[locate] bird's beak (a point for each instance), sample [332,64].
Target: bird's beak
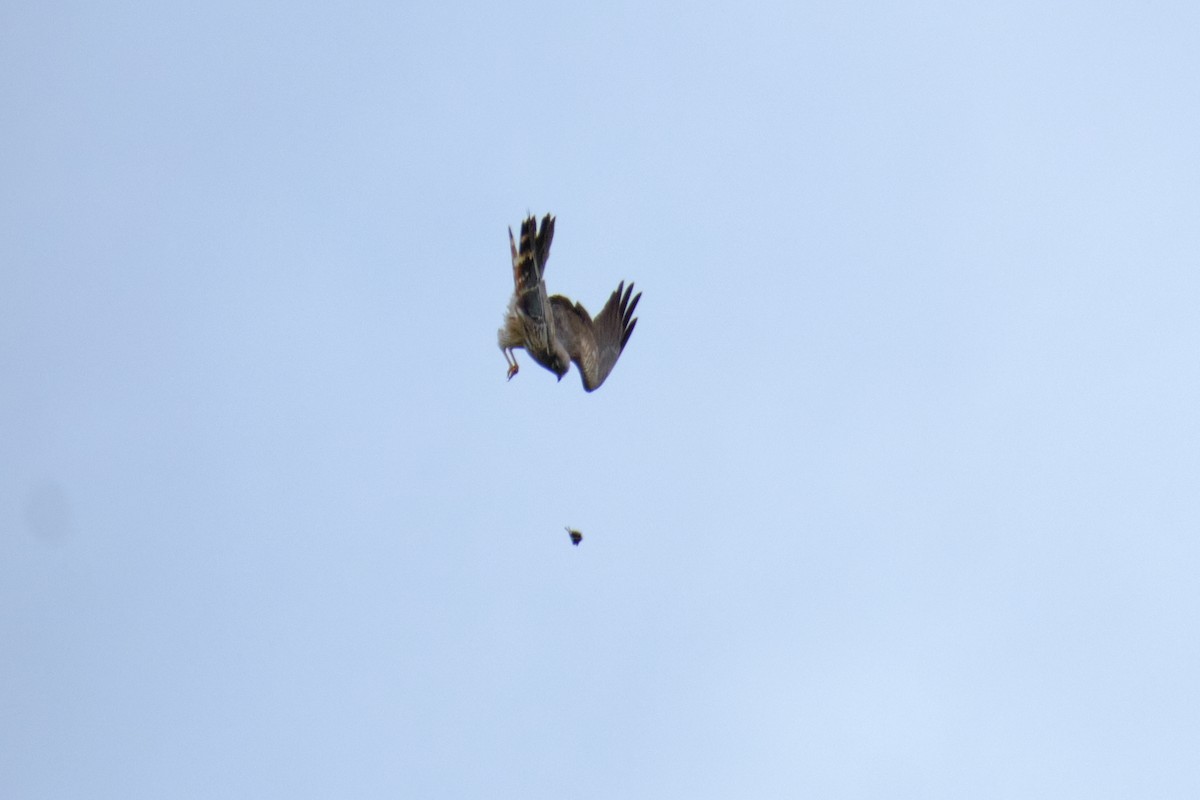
[560,378]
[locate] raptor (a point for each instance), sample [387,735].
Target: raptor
[555,331]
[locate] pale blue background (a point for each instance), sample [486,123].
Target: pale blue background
[895,492]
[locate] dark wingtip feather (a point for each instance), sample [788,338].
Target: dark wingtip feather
[628,333]
[544,237]
[632,306]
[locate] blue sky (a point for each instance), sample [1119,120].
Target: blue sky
[893,492]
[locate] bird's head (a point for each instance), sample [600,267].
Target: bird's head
[560,362]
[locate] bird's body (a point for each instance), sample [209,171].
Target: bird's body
[554,330]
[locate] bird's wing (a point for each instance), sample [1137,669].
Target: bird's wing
[544,237]
[529,263]
[595,344]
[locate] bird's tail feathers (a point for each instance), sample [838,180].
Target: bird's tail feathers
[526,270]
[529,260]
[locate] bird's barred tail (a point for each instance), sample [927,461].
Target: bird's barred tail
[529,262]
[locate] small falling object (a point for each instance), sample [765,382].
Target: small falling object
[576,536]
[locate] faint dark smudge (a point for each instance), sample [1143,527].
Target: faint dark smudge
[47,512]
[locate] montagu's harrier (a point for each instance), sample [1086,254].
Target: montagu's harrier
[556,331]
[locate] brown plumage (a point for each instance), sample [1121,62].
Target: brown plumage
[556,331]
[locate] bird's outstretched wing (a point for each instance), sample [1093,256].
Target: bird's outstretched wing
[544,237]
[595,344]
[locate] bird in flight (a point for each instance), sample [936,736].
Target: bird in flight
[576,536]
[555,331]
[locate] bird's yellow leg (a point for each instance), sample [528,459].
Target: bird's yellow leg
[511,358]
